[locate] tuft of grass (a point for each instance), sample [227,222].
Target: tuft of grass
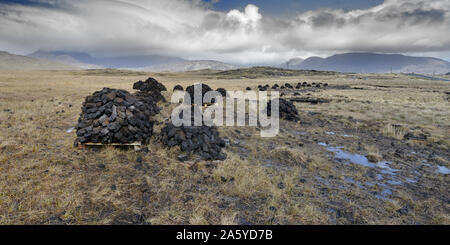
[248,180]
[229,219]
[373,154]
[393,131]
[290,156]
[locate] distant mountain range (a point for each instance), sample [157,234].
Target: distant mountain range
[371,63]
[81,60]
[348,62]
[144,62]
[85,59]
[292,63]
[24,63]
[191,65]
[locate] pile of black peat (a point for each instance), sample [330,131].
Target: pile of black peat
[150,90]
[114,116]
[200,86]
[287,110]
[202,140]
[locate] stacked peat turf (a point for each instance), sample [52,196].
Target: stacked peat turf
[288,85]
[204,88]
[222,91]
[202,140]
[150,84]
[150,88]
[262,88]
[287,110]
[114,116]
[149,96]
[248,89]
[150,100]
[275,86]
[178,87]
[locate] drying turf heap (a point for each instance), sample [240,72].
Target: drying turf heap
[150,101]
[150,88]
[287,110]
[222,91]
[202,140]
[190,90]
[178,87]
[262,88]
[149,85]
[114,116]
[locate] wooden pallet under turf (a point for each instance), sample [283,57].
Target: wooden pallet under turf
[136,145]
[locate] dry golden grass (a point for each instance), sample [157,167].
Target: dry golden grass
[396,132]
[45,180]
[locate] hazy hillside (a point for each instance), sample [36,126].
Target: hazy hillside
[191,65]
[375,63]
[135,61]
[73,59]
[87,61]
[348,62]
[144,63]
[264,71]
[294,62]
[18,62]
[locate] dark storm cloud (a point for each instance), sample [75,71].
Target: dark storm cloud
[326,19]
[191,29]
[416,16]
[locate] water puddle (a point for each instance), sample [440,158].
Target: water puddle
[358,159]
[425,163]
[300,133]
[385,192]
[383,195]
[379,177]
[410,180]
[443,170]
[347,135]
[350,180]
[386,172]
[342,135]
[70,130]
[394,182]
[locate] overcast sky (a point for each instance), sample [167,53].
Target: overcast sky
[258,31]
